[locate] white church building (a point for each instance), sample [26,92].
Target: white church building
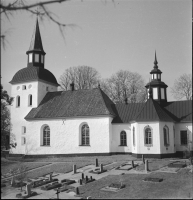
[86,122]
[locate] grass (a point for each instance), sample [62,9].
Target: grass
[173,186]
[7,166]
[154,164]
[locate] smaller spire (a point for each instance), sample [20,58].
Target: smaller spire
[155,62]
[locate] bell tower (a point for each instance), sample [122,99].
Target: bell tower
[158,88]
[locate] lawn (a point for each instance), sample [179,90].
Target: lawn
[7,166]
[173,186]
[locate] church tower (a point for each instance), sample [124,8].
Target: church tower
[29,86]
[157,87]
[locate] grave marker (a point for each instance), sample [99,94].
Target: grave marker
[132,162]
[28,189]
[146,166]
[77,191]
[80,181]
[50,177]
[143,159]
[82,175]
[96,163]
[74,169]
[101,167]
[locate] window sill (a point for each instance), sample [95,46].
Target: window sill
[84,145]
[184,145]
[148,145]
[122,145]
[45,146]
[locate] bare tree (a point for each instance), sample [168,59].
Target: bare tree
[125,84]
[84,77]
[182,87]
[8,10]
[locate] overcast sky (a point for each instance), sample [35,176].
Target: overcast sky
[108,36]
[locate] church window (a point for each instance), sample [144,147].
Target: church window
[155,76]
[30,100]
[159,76]
[46,136]
[23,140]
[36,57]
[184,137]
[148,136]
[23,129]
[30,57]
[30,86]
[42,59]
[18,101]
[133,136]
[166,135]
[123,138]
[18,87]
[85,135]
[162,93]
[155,93]
[23,87]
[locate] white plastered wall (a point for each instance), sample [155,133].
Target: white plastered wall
[65,137]
[180,127]
[141,148]
[115,143]
[171,147]
[38,90]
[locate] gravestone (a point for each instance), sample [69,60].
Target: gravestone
[28,189]
[82,175]
[77,191]
[143,159]
[101,167]
[50,177]
[74,169]
[13,181]
[146,166]
[96,163]
[132,162]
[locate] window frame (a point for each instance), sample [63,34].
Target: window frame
[133,136]
[85,136]
[148,144]
[166,136]
[123,138]
[18,101]
[183,144]
[36,56]
[30,100]
[46,137]
[23,140]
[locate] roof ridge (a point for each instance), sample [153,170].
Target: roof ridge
[104,101]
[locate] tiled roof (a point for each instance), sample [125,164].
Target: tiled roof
[152,111]
[181,111]
[126,112]
[33,74]
[92,102]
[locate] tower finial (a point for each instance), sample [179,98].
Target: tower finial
[155,62]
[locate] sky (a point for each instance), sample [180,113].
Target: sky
[107,35]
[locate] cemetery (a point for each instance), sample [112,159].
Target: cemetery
[95,179]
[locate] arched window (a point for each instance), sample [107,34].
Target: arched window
[30,100]
[133,136]
[148,136]
[46,136]
[166,135]
[18,101]
[85,135]
[123,138]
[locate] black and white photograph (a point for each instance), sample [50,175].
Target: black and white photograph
[96,99]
